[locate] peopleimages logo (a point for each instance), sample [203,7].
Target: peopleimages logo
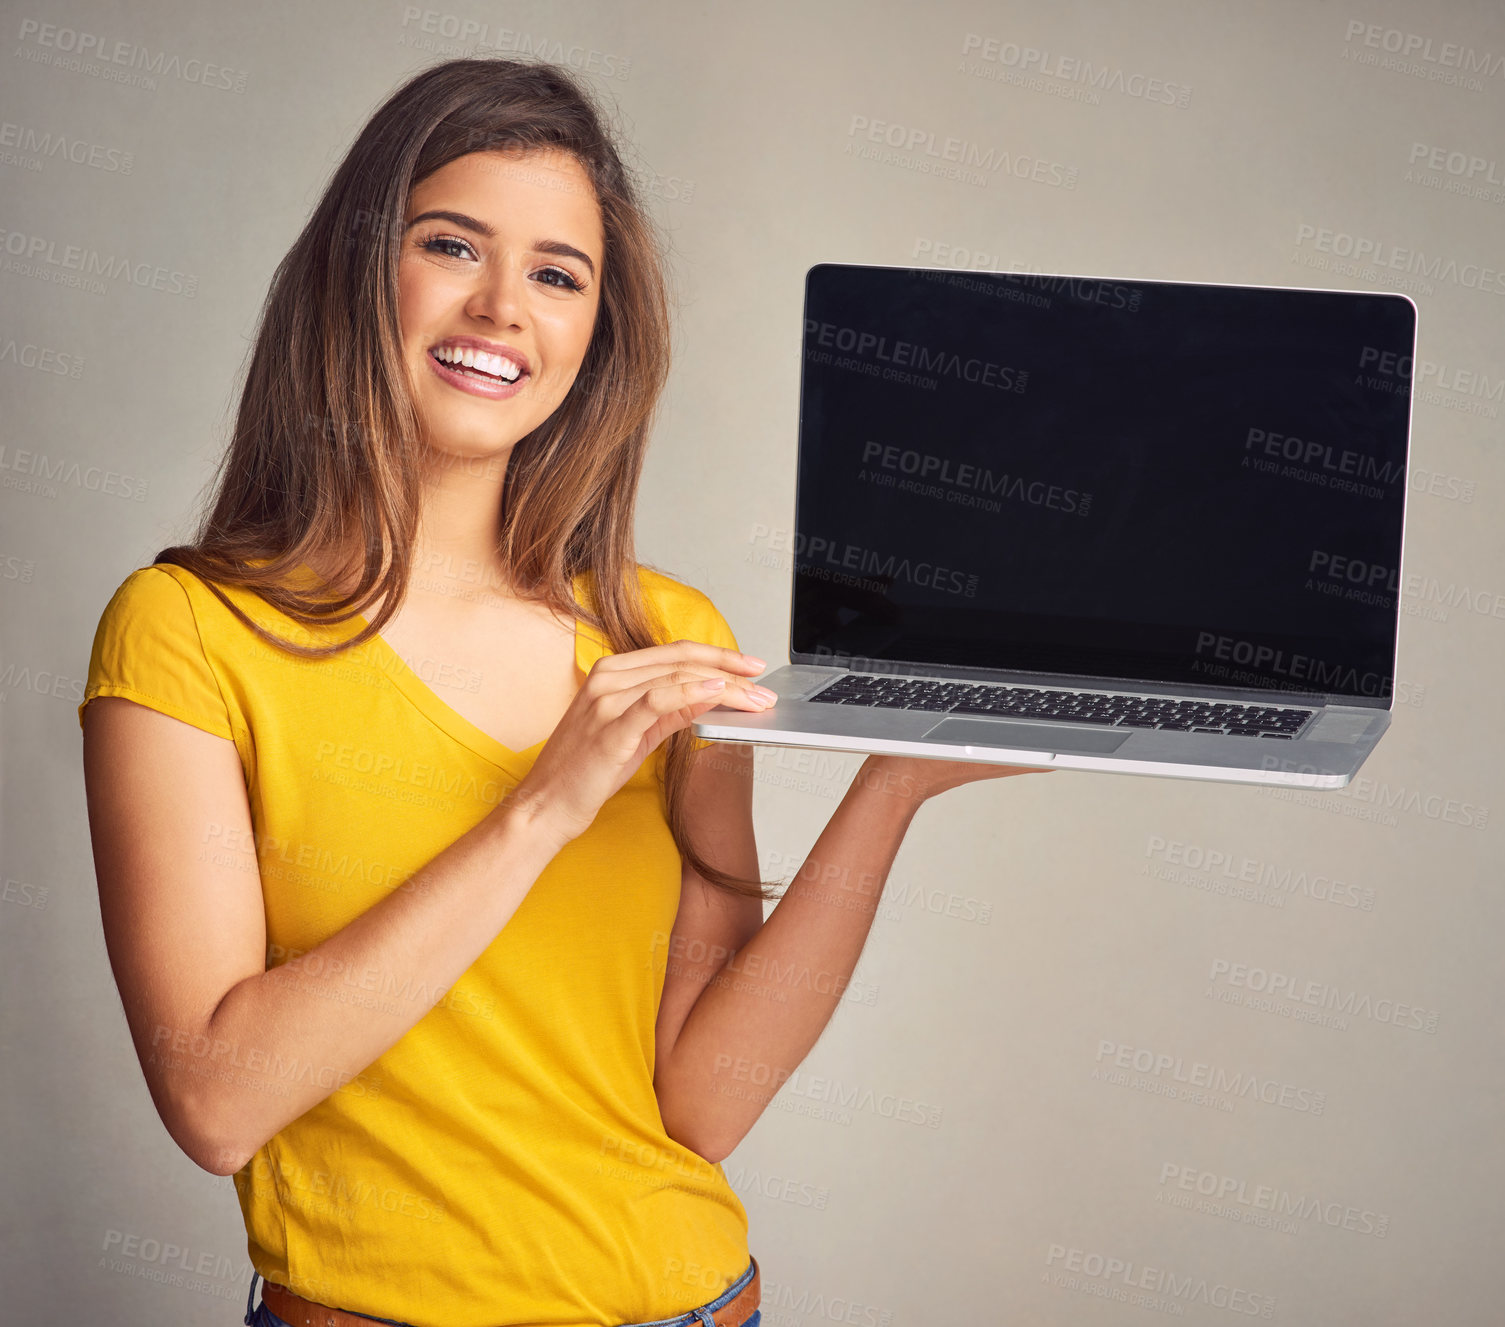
[479,39]
[1316,674]
[1356,1004]
[745,1181]
[1357,577]
[20,465]
[1312,453]
[910,355]
[1379,254]
[1236,866]
[40,256]
[916,148]
[42,358]
[1443,55]
[1467,165]
[165,1252]
[825,559]
[39,144]
[1229,1191]
[268,1065]
[796,1082]
[973,478]
[1381,798]
[1215,1078]
[1037,287]
[78,50]
[1123,1278]
[1391,371]
[1032,60]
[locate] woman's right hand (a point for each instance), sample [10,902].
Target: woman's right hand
[627,705]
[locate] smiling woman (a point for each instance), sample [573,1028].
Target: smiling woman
[394,901]
[460,269]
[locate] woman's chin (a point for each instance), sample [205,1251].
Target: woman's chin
[478,455]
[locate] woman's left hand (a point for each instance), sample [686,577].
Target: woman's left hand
[920,778]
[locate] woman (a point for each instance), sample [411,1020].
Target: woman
[435,929]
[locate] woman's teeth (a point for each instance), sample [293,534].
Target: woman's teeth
[477,361]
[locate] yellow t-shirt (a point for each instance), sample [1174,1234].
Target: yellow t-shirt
[505,1162]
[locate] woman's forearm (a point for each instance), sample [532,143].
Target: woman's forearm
[759,1016]
[282,1041]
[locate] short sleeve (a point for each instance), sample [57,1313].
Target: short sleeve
[147,648]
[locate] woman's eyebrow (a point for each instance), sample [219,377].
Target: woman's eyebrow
[557,247]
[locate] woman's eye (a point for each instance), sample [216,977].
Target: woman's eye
[443,244]
[449,246]
[567,281]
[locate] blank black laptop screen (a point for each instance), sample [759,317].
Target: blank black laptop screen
[1157,482]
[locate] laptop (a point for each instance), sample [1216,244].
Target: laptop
[1144,527]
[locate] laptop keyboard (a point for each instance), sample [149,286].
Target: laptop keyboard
[1190,716]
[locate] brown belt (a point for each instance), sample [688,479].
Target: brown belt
[302,1312]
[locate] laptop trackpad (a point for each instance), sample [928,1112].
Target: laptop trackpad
[1025,736]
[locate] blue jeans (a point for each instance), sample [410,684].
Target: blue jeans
[261,1316]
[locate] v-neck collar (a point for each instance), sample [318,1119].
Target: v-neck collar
[589,646]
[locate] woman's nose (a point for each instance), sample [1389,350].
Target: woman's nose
[500,293]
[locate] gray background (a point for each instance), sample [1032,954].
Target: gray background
[1028,923]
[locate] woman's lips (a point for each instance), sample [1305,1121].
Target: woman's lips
[493,389]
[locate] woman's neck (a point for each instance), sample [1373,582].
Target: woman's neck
[436,570]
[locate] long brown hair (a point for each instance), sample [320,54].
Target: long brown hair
[326,451]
